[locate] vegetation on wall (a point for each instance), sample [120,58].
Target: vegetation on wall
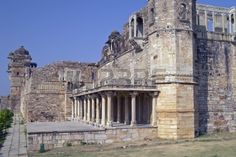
[6,118]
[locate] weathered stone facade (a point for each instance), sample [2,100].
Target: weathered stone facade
[4,102]
[172,68]
[59,139]
[45,94]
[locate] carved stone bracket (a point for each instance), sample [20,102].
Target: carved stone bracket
[136,46]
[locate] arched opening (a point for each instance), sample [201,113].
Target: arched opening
[183,12]
[139,32]
[152,16]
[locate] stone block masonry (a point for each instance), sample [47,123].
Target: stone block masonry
[172,68]
[59,136]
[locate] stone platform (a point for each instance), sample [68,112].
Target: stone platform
[69,126]
[59,134]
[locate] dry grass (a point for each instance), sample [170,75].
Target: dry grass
[218,145]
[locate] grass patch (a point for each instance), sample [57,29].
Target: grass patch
[213,145]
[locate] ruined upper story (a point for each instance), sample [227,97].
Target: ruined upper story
[59,77]
[209,22]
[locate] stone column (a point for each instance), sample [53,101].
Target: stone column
[89,109]
[235,21]
[93,109]
[97,111]
[118,109]
[85,109]
[75,110]
[78,109]
[130,29]
[214,21]
[109,109]
[206,20]
[103,110]
[133,109]
[197,18]
[154,102]
[230,24]
[223,22]
[135,26]
[139,109]
[126,109]
[72,109]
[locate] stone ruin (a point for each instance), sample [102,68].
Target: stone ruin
[173,68]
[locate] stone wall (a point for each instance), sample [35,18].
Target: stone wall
[4,102]
[45,96]
[216,79]
[108,136]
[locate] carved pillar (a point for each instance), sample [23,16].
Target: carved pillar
[85,109]
[103,110]
[109,109]
[126,109]
[139,109]
[223,22]
[214,21]
[118,109]
[89,109]
[230,24]
[206,20]
[75,111]
[80,109]
[72,109]
[235,21]
[154,102]
[197,18]
[97,111]
[133,109]
[130,29]
[135,26]
[93,109]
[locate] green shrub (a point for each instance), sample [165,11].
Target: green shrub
[6,118]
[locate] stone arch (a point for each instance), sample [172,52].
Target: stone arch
[136,27]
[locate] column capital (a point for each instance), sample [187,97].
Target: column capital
[154,94]
[133,94]
[110,93]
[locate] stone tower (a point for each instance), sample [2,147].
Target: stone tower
[19,60]
[173,70]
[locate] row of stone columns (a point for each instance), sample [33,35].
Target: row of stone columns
[98,109]
[231,26]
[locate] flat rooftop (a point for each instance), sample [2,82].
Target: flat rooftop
[75,126]
[70,126]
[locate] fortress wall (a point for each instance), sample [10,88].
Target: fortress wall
[132,66]
[46,92]
[59,139]
[216,89]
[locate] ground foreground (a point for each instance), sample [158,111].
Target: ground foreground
[220,145]
[15,143]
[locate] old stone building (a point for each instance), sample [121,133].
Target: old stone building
[42,94]
[172,68]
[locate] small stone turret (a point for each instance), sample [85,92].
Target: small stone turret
[18,62]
